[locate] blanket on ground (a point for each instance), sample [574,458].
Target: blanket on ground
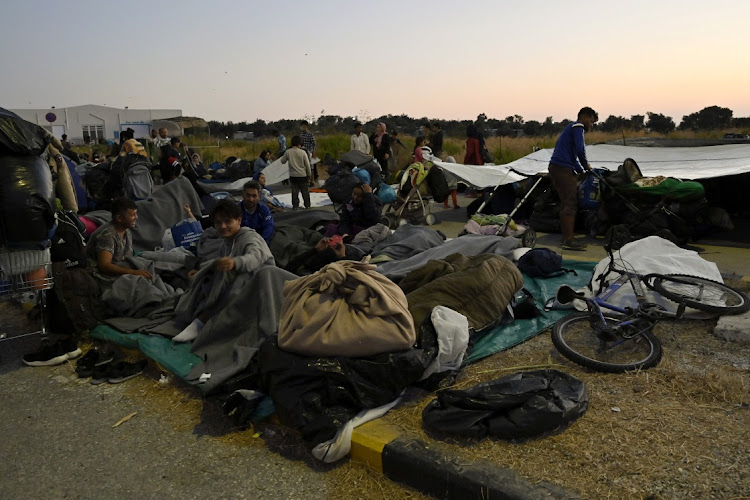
[479,287]
[228,342]
[408,240]
[471,244]
[345,309]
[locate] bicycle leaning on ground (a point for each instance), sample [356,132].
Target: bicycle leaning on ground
[614,339]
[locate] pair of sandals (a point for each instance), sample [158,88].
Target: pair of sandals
[102,367]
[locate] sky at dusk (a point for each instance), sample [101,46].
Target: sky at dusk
[244,60]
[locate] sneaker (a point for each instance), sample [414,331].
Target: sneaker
[123,371]
[86,365]
[573,244]
[53,353]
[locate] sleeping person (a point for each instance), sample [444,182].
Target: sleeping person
[230,263]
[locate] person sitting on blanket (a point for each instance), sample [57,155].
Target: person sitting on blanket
[112,242]
[266,195]
[241,253]
[262,161]
[362,211]
[256,215]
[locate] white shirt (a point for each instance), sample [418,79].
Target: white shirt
[360,143]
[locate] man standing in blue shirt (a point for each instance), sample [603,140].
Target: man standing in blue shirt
[282,143]
[256,215]
[569,160]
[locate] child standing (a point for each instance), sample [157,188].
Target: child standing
[300,172]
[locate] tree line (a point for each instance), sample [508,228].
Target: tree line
[709,118]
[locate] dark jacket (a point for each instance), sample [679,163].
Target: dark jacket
[365,215]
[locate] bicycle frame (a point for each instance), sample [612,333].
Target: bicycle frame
[596,304]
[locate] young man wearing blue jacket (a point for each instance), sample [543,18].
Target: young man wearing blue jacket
[256,215]
[567,162]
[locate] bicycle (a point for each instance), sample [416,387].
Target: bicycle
[623,339]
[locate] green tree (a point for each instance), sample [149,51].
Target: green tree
[614,123]
[532,127]
[710,118]
[636,122]
[659,123]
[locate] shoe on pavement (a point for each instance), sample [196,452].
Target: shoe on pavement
[573,244]
[125,371]
[86,365]
[53,353]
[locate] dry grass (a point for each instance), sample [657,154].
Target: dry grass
[678,430]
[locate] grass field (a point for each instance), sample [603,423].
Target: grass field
[504,149]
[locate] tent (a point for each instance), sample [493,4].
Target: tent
[686,163]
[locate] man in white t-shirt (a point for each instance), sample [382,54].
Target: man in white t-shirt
[359,141]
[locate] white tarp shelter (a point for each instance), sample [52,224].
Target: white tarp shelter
[482,176]
[686,163]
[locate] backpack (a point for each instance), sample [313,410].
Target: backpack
[137,182]
[78,297]
[67,244]
[590,190]
[542,263]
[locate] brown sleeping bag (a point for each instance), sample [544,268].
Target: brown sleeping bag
[479,287]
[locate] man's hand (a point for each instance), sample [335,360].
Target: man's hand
[588,166]
[322,244]
[339,250]
[366,188]
[225,264]
[142,272]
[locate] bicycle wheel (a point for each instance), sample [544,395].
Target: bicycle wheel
[633,346]
[699,293]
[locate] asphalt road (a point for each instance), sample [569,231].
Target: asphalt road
[58,441]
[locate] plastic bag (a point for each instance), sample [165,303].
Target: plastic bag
[386,194]
[27,200]
[516,407]
[186,233]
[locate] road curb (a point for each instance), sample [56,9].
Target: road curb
[434,471]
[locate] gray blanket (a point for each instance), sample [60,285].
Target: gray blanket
[408,240]
[158,213]
[137,297]
[471,244]
[306,218]
[162,211]
[228,341]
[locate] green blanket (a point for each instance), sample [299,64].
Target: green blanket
[674,188]
[504,337]
[175,358]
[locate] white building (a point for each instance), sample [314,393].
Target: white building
[89,123]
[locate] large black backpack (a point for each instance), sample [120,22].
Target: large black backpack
[542,263]
[68,243]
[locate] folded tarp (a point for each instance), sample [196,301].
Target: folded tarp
[681,163]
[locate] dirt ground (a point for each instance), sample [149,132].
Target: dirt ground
[678,430]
